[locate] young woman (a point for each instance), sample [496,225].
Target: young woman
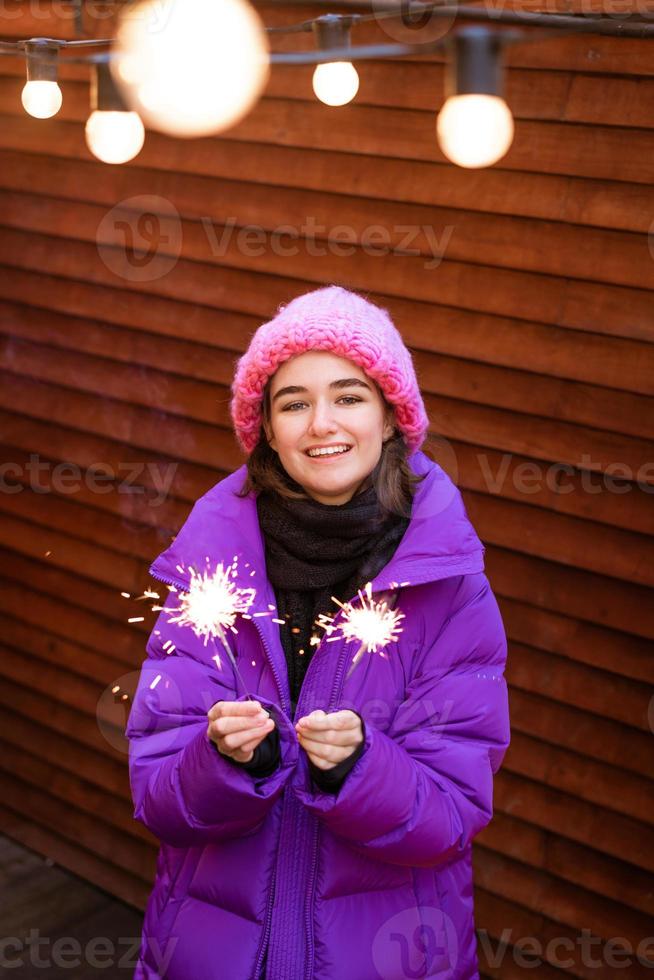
[315,811]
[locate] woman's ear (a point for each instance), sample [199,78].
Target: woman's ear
[389,428]
[269,435]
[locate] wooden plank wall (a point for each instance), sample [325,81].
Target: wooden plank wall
[533,339]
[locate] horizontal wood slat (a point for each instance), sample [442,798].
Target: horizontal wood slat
[87,317]
[110,844]
[562,539]
[583,595]
[579,305]
[85,863]
[582,53]
[61,719]
[547,95]
[90,615]
[606,694]
[80,794]
[522,392]
[607,786]
[435,233]
[553,942]
[581,201]
[589,643]
[610,305]
[568,860]
[565,814]
[568,905]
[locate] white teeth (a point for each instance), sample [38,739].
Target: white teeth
[331,451]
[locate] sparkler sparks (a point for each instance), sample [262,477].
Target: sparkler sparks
[210,606]
[212,602]
[373,624]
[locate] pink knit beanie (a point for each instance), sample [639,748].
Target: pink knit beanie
[334,319]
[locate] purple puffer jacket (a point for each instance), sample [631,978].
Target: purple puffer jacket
[375,882]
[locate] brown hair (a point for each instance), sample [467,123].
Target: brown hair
[394,481]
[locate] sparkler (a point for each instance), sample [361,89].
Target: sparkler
[373,624]
[210,606]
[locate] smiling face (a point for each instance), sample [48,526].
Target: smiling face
[319,401]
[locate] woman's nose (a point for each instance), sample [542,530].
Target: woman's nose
[322,420]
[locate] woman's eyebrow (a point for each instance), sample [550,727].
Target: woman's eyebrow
[341,383]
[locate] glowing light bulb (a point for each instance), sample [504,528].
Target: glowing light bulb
[192,68]
[114,137]
[336,82]
[474,130]
[41,99]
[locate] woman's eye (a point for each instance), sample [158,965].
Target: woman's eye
[347,398]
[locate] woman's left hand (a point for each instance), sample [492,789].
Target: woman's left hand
[329,738]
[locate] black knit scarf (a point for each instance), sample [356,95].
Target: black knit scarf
[315,551]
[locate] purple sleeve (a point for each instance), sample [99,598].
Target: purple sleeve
[184,790]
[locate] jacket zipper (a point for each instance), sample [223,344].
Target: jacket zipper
[308,909]
[271,895]
[336,690]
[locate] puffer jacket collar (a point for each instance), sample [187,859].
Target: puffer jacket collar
[439,542]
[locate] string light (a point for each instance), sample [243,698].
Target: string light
[192,68]
[113,133]
[475,125]
[41,95]
[334,82]
[196,68]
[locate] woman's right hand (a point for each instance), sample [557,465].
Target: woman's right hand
[237,727]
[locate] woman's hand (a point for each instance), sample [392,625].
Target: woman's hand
[237,727]
[329,738]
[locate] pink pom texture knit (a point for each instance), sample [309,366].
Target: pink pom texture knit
[333,319]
